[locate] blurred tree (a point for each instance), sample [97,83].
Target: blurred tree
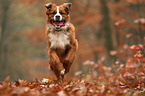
[140,31]
[14,20]
[5,6]
[105,26]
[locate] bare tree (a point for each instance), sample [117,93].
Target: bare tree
[5,6]
[105,27]
[140,31]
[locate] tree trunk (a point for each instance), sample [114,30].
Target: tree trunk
[140,31]
[5,6]
[106,28]
[115,37]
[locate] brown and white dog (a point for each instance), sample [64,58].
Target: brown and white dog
[61,42]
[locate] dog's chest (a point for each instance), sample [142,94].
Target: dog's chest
[59,39]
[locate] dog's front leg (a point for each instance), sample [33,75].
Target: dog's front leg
[56,65]
[70,56]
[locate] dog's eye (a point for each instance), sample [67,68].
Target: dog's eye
[61,13]
[53,13]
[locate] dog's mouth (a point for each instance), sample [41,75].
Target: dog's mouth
[58,24]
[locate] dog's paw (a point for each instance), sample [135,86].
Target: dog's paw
[62,72]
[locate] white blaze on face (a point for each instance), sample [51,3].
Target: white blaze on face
[58,14]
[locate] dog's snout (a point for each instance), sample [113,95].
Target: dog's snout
[57,17]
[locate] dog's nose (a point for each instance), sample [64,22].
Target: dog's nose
[57,17]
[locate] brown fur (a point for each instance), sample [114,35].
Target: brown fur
[60,59]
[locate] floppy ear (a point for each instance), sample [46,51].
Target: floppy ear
[67,6]
[48,6]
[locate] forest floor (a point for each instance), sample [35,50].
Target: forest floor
[113,85]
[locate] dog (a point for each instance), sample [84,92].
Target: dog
[61,42]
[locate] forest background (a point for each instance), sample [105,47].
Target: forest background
[105,30]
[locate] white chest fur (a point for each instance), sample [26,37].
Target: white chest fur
[59,39]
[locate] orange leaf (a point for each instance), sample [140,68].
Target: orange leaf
[123,71]
[130,61]
[121,43]
[142,69]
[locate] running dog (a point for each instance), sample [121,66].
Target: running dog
[61,42]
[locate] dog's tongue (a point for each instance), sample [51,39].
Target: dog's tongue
[57,25]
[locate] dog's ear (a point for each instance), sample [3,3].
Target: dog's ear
[48,6]
[67,6]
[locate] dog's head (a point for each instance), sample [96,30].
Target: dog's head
[58,16]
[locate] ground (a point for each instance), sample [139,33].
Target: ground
[112,85]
